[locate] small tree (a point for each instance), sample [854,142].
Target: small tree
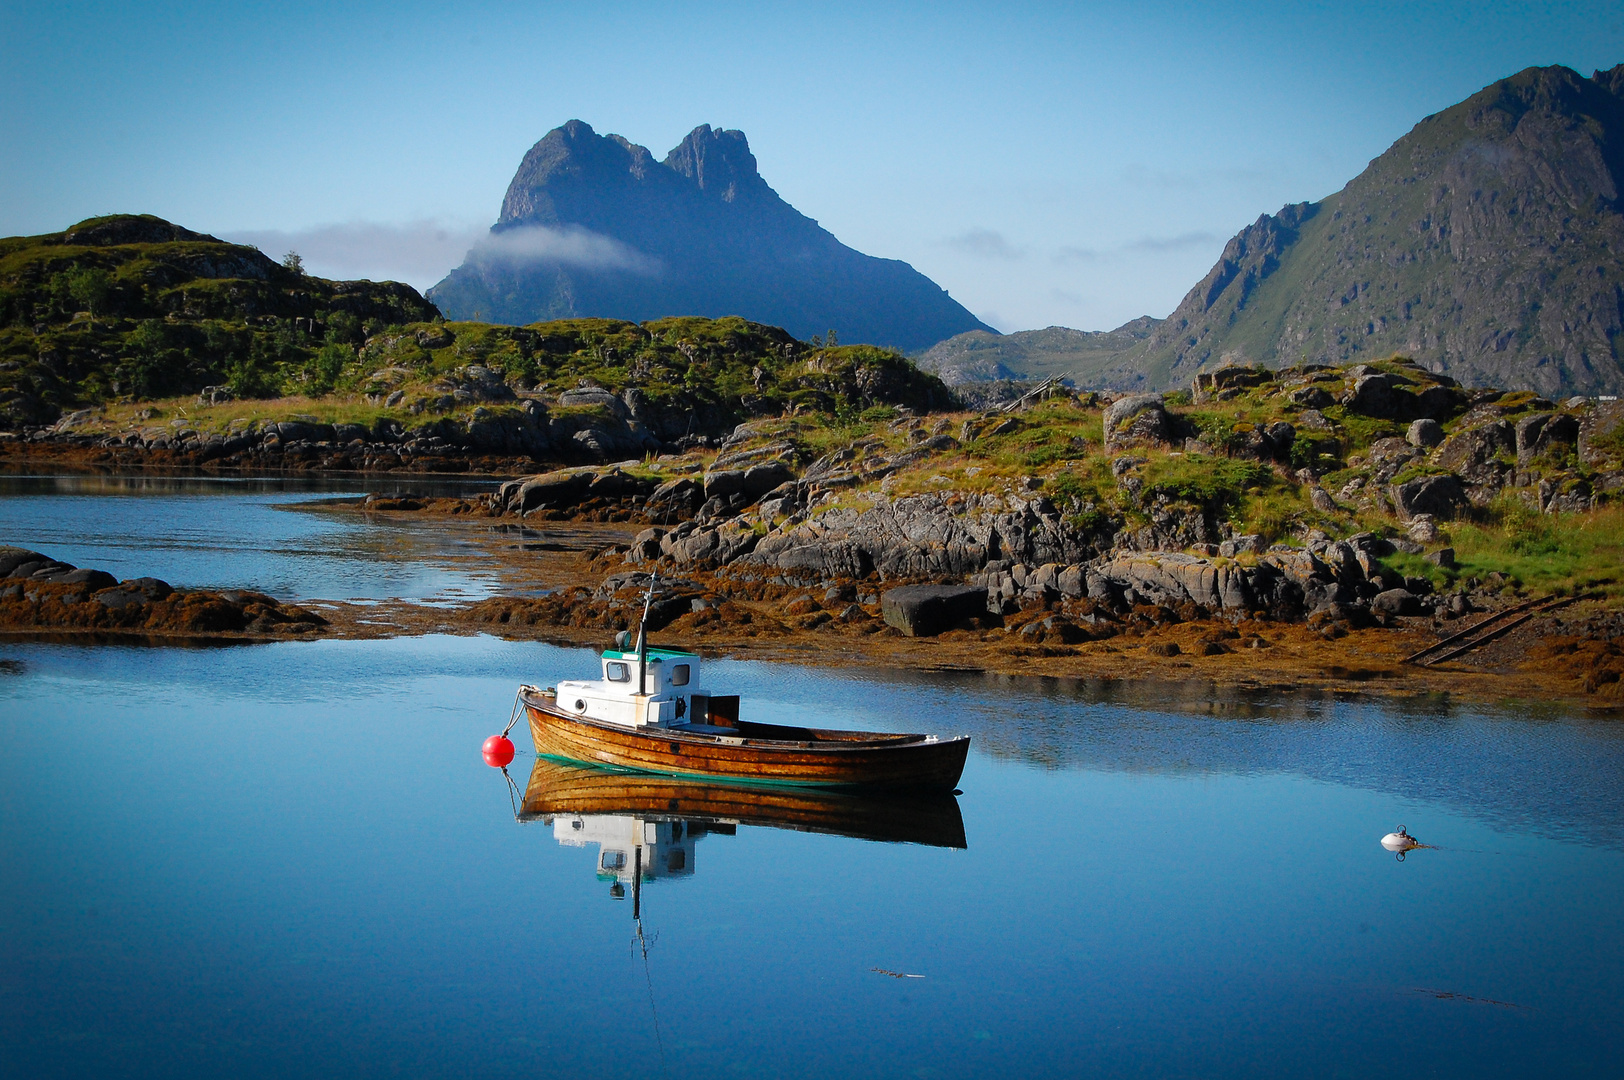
[90,287]
[294,262]
[830,337]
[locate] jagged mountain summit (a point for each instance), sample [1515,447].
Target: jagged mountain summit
[593,225]
[1487,243]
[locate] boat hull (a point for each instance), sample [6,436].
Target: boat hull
[756,755]
[557,789]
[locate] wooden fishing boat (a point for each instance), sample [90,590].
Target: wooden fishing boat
[649,713]
[559,789]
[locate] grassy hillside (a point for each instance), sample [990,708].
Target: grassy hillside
[125,310]
[135,307]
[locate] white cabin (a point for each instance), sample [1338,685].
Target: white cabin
[659,690]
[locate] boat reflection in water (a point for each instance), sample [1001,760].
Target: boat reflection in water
[646,827]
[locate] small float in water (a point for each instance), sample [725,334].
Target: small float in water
[650,713]
[1400,842]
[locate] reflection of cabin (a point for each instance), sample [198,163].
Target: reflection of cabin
[648,687]
[659,848]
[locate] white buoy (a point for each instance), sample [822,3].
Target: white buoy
[1400,841]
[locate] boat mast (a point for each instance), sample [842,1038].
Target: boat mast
[642,641]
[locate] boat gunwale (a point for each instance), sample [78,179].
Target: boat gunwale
[886,740]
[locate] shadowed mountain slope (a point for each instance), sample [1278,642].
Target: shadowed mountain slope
[593,225]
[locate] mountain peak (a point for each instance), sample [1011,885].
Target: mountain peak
[719,162]
[1485,243]
[599,228]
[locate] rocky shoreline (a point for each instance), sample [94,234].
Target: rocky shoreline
[1312,504]
[39,593]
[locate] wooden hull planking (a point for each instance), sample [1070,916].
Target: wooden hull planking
[832,758]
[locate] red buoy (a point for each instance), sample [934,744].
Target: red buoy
[498,751]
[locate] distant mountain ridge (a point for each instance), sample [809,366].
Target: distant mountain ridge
[978,356]
[593,225]
[1487,243]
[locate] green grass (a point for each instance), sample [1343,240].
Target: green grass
[1559,554]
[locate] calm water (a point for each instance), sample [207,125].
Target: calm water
[265,534]
[289,860]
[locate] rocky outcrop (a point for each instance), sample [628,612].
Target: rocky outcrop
[526,432]
[41,593]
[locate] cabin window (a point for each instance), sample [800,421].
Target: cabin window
[618,672]
[614,860]
[677,860]
[679,675]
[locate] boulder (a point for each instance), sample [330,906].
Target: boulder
[1474,455]
[1441,496]
[1424,433]
[1544,433]
[1444,558]
[927,610]
[551,491]
[752,483]
[1423,529]
[675,500]
[1396,602]
[301,431]
[91,579]
[1137,418]
[12,558]
[1600,444]
[593,395]
[1377,395]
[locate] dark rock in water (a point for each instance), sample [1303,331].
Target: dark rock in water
[91,579]
[927,610]
[12,558]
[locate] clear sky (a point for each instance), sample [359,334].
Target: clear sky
[1072,164]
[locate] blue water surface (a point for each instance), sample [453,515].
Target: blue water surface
[289,860]
[247,533]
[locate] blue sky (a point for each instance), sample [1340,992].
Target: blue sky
[1072,164]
